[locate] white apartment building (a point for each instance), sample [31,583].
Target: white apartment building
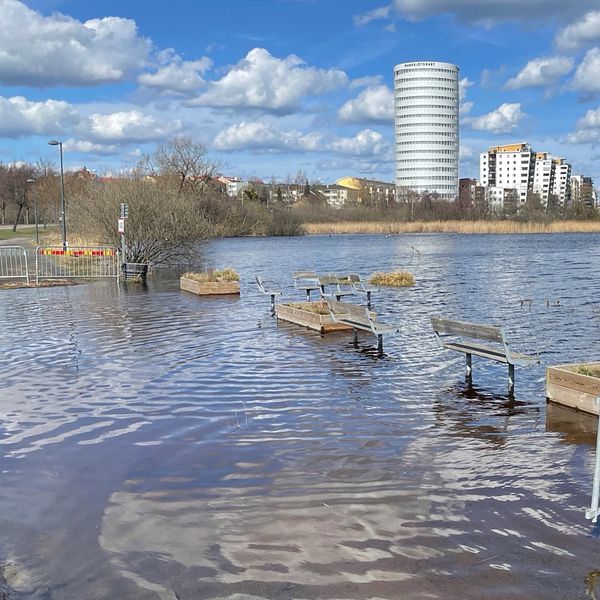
[542,175]
[508,166]
[561,184]
[518,166]
[426,126]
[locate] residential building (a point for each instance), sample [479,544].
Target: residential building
[426,125]
[501,199]
[338,195]
[470,192]
[582,190]
[508,166]
[561,180]
[517,166]
[370,191]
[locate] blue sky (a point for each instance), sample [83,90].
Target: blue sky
[271,87]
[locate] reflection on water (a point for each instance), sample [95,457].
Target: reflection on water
[154,444]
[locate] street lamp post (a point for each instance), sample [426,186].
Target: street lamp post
[35,215]
[62,193]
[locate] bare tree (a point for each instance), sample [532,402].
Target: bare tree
[185,161]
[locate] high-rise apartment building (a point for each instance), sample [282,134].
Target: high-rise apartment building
[518,166]
[508,166]
[426,122]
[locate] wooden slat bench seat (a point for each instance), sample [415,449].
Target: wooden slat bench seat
[465,337]
[360,319]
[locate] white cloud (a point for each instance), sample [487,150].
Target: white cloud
[266,137]
[584,32]
[587,75]
[131,126]
[464,106]
[86,147]
[488,12]
[541,72]
[373,105]
[255,135]
[502,120]
[364,143]
[368,81]
[264,82]
[178,76]
[378,13]
[19,117]
[587,129]
[59,50]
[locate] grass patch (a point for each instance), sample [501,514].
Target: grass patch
[317,308]
[589,371]
[21,232]
[393,279]
[214,275]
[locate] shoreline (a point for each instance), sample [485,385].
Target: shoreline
[464,227]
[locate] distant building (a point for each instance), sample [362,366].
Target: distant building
[502,199]
[517,166]
[338,196]
[508,166]
[470,192]
[426,124]
[370,191]
[582,190]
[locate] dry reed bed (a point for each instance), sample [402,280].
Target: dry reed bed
[452,227]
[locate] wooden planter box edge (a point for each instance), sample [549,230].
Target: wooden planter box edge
[209,288]
[563,386]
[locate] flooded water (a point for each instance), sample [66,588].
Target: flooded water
[154,444]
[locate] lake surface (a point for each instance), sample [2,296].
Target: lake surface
[154,444]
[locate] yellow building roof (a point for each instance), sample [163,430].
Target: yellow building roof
[520,147]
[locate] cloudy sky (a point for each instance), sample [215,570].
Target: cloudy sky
[274,86]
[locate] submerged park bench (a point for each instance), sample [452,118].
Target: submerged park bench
[465,337]
[268,291]
[359,318]
[333,286]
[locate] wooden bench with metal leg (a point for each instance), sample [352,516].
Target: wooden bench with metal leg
[465,337]
[360,319]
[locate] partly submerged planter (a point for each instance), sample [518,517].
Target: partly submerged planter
[209,288]
[567,387]
[294,312]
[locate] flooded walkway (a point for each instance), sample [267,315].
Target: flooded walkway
[154,444]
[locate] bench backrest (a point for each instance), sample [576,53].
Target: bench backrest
[345,308]
[328,280]
[469,330]
[303,274]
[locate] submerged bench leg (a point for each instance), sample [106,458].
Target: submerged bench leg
[511,380]
[308,295]
[272,304]
[380,344]
[469,370]
[368,299]
[355,337]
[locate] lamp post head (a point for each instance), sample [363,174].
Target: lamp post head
[54,143]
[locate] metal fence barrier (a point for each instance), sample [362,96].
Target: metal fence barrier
[13,263]
[76,262]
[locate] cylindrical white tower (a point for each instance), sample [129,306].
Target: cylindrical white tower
[426,119]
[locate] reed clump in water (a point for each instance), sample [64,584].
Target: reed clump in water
[393,279]
[466,227]
[214,275]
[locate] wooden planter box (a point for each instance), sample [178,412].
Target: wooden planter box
[568,388]
[320,323]
[209,288]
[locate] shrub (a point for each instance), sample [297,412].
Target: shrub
[393,279]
